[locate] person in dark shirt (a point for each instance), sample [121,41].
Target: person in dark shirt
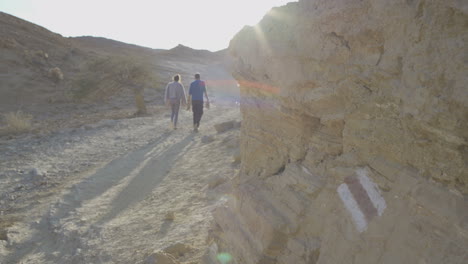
[196,91]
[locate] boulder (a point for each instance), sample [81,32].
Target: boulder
[225,126]
[207,139]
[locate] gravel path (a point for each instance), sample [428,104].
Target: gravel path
[104,194]
[118,190]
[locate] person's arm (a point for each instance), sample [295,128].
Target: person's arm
[189,101]
[207,99]
[207,105]
[166,94]
[184,96]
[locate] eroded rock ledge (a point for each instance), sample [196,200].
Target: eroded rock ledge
[354,135]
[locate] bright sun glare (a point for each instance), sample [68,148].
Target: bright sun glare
[202,24]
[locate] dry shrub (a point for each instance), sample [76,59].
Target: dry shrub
[8,43]
[5,223]
[56,74]
[18,122]
[37,58]
[39,53]
[134,75]
[140,102]
[104,77]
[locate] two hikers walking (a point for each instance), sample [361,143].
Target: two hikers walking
[175,96]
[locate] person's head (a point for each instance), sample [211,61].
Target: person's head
[176,78]
[197,76]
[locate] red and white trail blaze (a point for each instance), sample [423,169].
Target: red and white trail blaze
[361,198]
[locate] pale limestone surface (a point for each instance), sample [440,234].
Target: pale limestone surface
[336,89]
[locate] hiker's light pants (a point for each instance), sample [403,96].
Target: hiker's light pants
[175,105]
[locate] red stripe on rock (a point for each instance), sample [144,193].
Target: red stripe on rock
[361,197]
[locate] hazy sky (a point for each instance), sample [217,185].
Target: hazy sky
[200,24]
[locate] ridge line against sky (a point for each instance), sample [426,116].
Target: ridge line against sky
[201,24]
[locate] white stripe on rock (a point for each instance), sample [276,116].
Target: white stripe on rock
[352,207]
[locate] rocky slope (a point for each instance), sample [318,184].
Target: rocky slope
[354,135]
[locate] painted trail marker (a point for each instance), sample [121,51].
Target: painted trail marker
[361,198]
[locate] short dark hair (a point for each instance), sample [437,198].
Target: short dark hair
[176,77]
[197,76]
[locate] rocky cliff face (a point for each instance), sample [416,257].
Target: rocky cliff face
[354,135]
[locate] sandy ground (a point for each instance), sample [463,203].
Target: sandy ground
[146,187]
[118,190]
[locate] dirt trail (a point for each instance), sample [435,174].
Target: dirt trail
[135,202]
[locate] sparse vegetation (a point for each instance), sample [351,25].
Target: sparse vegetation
[140,101]
[134,75]
[104,77]
[35,57]
[83,87]
[39,53]
[5,223]
[17,122]
[8,43]
[56,74]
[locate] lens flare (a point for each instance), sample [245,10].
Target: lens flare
[224,258]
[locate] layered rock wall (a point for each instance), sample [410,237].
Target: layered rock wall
[354,135]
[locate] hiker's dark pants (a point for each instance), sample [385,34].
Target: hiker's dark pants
[175,105]
[197,108]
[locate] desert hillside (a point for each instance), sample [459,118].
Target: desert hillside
[55,80]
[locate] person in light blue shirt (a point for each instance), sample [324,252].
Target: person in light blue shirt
[175,94]
[196,91]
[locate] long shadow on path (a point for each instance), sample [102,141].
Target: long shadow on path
[149,166]
[148,178]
